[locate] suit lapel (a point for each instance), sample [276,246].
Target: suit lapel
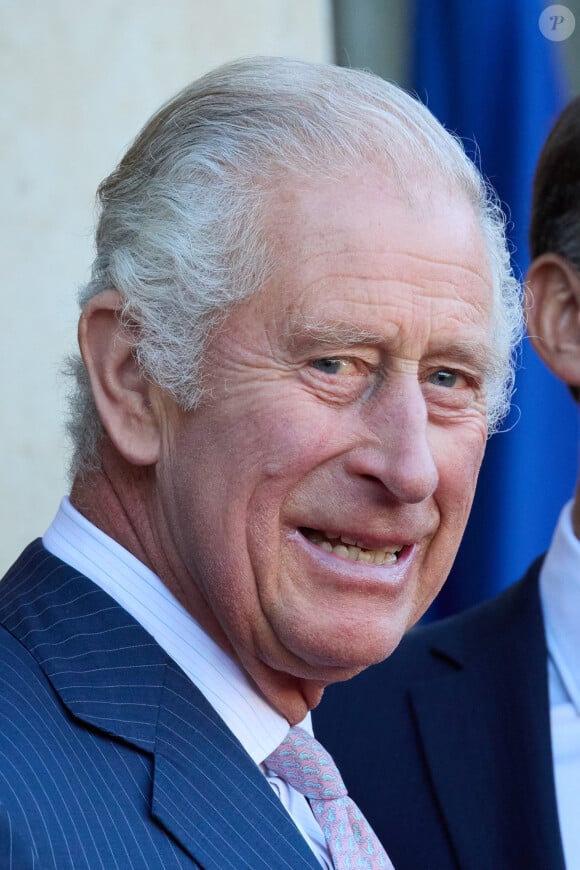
[499,730]
[112,675]
[211,796]
[106,669]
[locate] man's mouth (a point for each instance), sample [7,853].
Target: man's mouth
[349,548]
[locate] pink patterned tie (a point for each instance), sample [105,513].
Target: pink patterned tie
[303,763]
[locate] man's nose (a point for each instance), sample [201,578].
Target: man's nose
[399,454]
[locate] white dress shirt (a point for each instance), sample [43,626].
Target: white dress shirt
[560,596]
[256,724]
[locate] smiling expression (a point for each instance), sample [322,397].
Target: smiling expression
[316,499]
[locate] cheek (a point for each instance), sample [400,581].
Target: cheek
[460,453]
[458,465]
[245,475]
[286,437]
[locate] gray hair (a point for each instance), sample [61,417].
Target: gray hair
[182,236]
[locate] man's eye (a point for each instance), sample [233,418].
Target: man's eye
[334,365]
[444,378]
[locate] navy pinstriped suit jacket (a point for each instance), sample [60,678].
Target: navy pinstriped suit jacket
[109,756]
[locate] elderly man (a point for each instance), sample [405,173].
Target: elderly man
[296,338]
[470,733]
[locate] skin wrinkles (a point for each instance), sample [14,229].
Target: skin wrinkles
[281,446]
[377,448]
[408,315]
[313,338]
[340,275]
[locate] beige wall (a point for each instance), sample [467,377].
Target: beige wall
[78,79]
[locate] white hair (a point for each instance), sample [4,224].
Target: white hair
[182,236]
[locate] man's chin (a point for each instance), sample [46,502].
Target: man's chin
[339,663]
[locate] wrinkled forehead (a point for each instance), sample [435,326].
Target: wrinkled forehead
[368,214]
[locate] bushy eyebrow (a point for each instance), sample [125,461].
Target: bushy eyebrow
[472,354]
[309,336]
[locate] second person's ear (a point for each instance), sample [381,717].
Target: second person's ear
[553,315]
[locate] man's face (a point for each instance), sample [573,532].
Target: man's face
[316,500]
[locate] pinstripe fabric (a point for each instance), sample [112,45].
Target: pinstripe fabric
[109,756]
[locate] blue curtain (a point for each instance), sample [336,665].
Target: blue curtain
[487,72]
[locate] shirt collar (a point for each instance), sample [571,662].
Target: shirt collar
[227,687]
[560,597]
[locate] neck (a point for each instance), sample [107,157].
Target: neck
[291,696]
[105,501]
[121,500]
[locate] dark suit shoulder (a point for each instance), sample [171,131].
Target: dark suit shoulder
[432,740]
[428,650]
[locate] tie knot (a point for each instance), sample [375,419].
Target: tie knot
[303,763]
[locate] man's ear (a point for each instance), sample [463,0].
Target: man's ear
[553,315]
[122,395]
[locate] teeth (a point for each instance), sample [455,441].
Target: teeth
[348,548]
[341,550]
